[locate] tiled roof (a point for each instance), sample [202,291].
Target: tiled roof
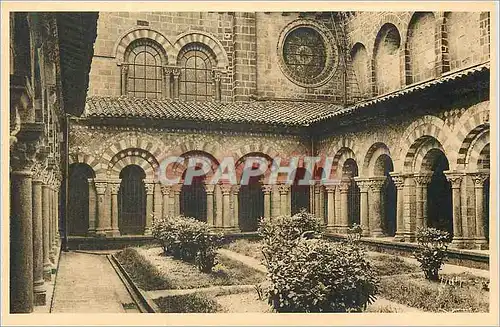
[267,112]
[272,112]
[407,90]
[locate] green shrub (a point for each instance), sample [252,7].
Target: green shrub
[188,239]
[309,274]
[188,303]
[431,255]
[320,276]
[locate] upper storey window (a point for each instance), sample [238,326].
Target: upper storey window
[144,69]
[196,63]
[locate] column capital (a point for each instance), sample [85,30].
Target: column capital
[216,75]
[422,179]
[150,187]
[209,188]
[167,70]
[101,187]
[454,177]
[283,188]
[267,188]
[236,189]
[330,188]
[376,182]
[363,183]
[226,188]
[176,72]
[344,185]
[398,179]
[165,189]
[114,187]
[479,178]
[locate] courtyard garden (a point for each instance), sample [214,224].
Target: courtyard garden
[292,268]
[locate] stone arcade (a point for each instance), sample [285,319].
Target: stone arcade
[399,100]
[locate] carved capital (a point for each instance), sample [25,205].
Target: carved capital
[283,188]
[423,179]
[399,180]
[236,189]
[216,75]
[209,188]
[330,188]
[344,186]
[167,71]
[363,184]
[226,189]
[165,189]
[455,178]
[124,70]
[266,188]
[176,72]
[23,155]
[150,188]
[479,179]
[114,187]
[376,183]
[101,187]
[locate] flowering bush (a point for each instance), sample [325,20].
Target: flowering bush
[188,239]
[309,274]
[434,243]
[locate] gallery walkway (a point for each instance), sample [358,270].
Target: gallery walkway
[87,283]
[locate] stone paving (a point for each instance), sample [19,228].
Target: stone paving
[87,283]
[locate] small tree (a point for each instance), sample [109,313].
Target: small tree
[432,253]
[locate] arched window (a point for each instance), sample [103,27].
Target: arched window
[196,62]
[144,69]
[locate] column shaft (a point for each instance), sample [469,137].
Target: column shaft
[38,281]
[47,265]
[149,207]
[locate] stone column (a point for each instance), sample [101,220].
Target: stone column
[480,239]
[316,206]
[176,73]
[58,217]
[330,191]
[103,221]
[52,255]
[92,208]
[55,218]
[266,189]
[236,209]
[284,189]
[408,207]
[226,205]
[21,242]
[38,281]
[375,207]
[47,265]
[338,207]
[157,200]
[124,74]
[167,71]
[364,186]
[165,191]
[321,215]
[177,199]
[275,204]
[209,189]
[343,222]
[150,187]
[455,179]
[400,224]
[422,180]
[218,206]
[115,187]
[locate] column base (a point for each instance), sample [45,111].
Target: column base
[481,244]
[400,237]
[148,231]
[40,299]
[457,243]
[376,233]
[47,273]
[115,232]
[91,232]
[341,230]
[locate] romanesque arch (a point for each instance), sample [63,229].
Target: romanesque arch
[373,154]
[386,59]
[133,156]
[362,68]
[139,33]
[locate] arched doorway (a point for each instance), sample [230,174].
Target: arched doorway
[78,199]
[349,171]
[383,167]
[250,204]
[300,193]
[132,201]
[439,197]
[194,198]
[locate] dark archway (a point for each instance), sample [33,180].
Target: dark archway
[250,204]
[194,198]
[383,166]
[132,201]
[349,171]
[78,198]
[439,198]
[300,193]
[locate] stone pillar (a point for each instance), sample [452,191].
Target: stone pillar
[165,191]
[103,221]
[38,281]
[52,255]
[209,189]
[226,205]
[92,208]
[21,242]
[375,207]
[236,209]
[321,215]
[284,189]
[158,201]
[275,204]
[408,207]
[343,222]
[338,207]
[177,199]
[47,265]
[422,180]
[316,207]
[480,239]
[400,224]
[150,187]
[54,221]
[176,73]
[455,179]
[267,189]
[218,206]
[115,187]
[167,71]
[330,191]
[364,186]
[58,217]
